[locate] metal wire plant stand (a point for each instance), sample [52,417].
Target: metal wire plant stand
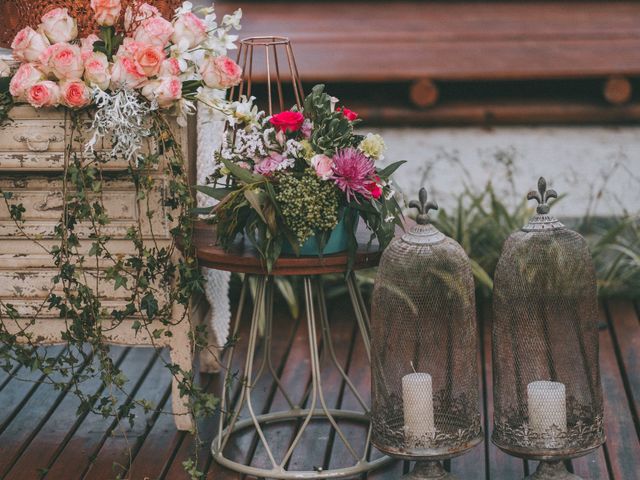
[316,406]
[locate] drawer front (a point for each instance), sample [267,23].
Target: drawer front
[43,201]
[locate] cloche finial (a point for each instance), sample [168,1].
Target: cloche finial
[423,206]
[542,196]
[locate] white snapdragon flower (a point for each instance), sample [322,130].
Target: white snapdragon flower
[233,20]
[186,7]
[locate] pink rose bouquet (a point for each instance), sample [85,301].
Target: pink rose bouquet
[297,175]
[168,63]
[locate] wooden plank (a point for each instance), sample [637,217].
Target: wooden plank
[27,422]
[79,451]
[19,388]
[622,442]
[499,464]
[625,332]
[114,456]
[60,425]
[451,41]
[311,453]
[593,465]
[473,463]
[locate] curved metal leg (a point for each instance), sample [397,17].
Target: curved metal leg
[361,313]
[317,407]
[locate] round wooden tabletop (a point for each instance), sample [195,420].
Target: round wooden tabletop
[243,257]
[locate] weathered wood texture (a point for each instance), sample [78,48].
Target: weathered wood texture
[40,433]
[32,162]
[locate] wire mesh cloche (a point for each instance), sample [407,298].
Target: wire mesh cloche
[424,342]
[547,391]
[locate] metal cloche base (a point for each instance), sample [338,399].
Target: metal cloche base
[552,471]
[316,407]
[426,470]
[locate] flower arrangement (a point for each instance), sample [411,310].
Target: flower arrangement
[295,176]
[151,64]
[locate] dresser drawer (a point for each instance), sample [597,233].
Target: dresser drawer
[42,200]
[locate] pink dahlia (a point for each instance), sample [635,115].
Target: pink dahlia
[352,172]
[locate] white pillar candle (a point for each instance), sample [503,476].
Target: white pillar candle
[547,403]
[417,399]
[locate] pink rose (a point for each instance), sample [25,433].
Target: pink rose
[86,45]
[126,72]
[287,121]
[28,45]
[26,76]
[220,72]
[63,60]
[58,26]
[129,48]
[134,16]
[189,31]
[171,66]
[75,93]
[272,163]
[43,94]
[150,59]
[323,166]
[155,31]
[168,91]
[96,70]
[106,11]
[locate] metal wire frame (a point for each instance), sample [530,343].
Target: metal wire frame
[270,46]
[230,422]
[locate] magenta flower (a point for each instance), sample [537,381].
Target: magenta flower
[352,172]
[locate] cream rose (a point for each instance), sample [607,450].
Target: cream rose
[86,45]
[133,17]
[126,72]
[154,31]
[26,76]
[5,69]
[166,91]
[43,94]
[150,59]
[75,94]
[58,26]
[28,45]
[170,67]
[323,165]
[96,70]
[106,12]
[189,31]
[63,60]
[220,72]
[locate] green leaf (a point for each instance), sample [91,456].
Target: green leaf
[242,174]
[390,169]
[217,193]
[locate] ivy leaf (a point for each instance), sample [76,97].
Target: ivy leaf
[149,305]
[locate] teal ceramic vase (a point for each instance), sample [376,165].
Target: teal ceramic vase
[337,242]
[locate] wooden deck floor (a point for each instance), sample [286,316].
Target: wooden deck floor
[41,436]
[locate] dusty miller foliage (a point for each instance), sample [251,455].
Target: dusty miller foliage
[155,276]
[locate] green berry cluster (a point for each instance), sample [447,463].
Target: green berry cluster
[309,204]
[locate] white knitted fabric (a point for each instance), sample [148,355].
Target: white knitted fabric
[210,130]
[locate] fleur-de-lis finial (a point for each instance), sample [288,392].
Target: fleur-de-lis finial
[542,196]
[423,205]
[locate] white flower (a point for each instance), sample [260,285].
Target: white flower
[373,146]
[186,7]
[334,101]
[233,20]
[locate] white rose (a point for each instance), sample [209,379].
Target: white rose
[189,31]
[28,45]
[58,26]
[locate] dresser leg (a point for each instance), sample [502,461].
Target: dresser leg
[181,353]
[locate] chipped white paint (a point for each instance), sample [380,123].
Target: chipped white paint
[597,167]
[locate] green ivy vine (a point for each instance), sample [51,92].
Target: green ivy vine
[157,275]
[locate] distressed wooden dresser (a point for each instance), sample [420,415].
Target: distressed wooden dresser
[32,156]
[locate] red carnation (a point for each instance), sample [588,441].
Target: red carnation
[375,189]
[287,121]
[349,114]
